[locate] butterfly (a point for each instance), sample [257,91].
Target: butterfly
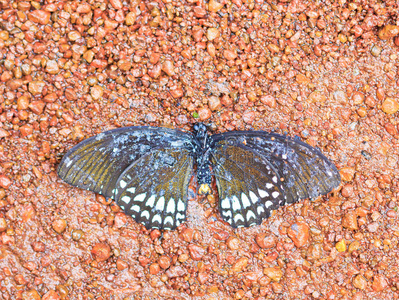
[147,170]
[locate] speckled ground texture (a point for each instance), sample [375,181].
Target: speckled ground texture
[326,71]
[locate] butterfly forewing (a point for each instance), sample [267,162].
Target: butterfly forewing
[268,169]
[148,156]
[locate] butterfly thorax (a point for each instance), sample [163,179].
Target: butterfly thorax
[202,153]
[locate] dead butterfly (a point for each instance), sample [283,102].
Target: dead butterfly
[146,170]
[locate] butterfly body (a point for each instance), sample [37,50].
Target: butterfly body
[146,170]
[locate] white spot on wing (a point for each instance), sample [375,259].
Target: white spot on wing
[157,218]
[225,203]
[253,197]
[284,156]
[269,185]
[250,215]
[263,193]
[68,162]
[181,206]
[140,197]
[145,214]
[136,208]
[131,190]
[274,179]
[122,184]
[126,199]
[171,206]
[260,210]
[245,200]
[169,220]
[268,204]
[236,203]
[151,201]
[179,216]
[275,194]
[160,204]
[238,217]
[226,213]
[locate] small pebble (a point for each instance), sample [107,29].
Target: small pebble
[96,92]
[204,113]
[347,173]
[355,245]
[37,106]
[164,262]
[36,87]
[101,252]
[177,92]
[379,283]
[265,241]
[3,224]
[359,282]
[52,67]
[390,105]
[154,269]
[347,190]
[168,67]
[248,116]
[31,295]
[5,182]
[175,271]
[239,265]
[196,252]
[203,277]
[212,33]
[375,50]
[229,54]
[121,264]
[59,225]
[38,246]
[388,31]
[233,243]
[39,16]
[274,273]
[350,220]
[341,246]
[77,234]
[51,295]
[299,234]
[302,79]
[214,6]
[214,103]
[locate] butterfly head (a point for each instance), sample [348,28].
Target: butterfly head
[200,130]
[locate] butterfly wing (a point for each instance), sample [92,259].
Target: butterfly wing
[145,170]
[257,172]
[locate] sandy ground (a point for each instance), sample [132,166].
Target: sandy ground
[326,71]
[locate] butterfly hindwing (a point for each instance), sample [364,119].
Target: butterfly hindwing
[162,205]
[271,168]
[148,155]
[248,191]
